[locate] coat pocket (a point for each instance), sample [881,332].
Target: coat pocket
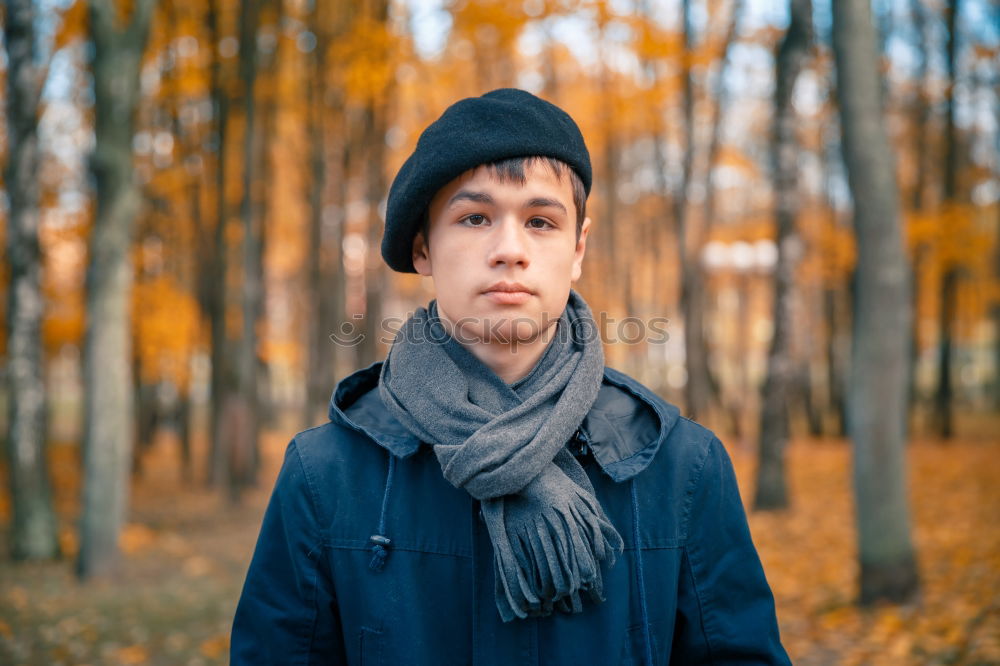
[370,647]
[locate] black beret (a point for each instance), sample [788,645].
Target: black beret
[501,124]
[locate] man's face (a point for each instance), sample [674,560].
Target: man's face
[486,237]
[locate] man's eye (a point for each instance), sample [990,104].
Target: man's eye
[476,220]
[542,220]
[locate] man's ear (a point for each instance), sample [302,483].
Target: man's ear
[421,254]
[581,249]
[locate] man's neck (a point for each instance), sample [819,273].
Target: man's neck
[510,361]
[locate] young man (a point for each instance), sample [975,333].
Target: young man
[491,493]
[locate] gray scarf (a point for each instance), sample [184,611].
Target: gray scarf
[505,445]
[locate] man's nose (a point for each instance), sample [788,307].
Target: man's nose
[510,244]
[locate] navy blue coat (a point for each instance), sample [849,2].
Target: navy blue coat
[693,592]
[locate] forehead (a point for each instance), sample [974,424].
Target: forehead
[538,177]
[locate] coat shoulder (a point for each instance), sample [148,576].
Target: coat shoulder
[334,453]
[682,441]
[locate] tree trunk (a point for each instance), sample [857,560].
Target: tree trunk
[810,403]
[836,313]
[877,400]
[921,107]
[272,16]
[609,189]
[317,372]
[320,349]
[241,460]
[697,389]
[194,265]
[184,433]
[108,416]
[950,275]
[995,313]
[772,489]
[835,358]
[605,250]
[912,390]
[375,116]
[721,97]
[216,268]
[656,233]
[922,115]
[332,309]
[721,101]
[146,414]
[33,529]
[946,316]
[375,123]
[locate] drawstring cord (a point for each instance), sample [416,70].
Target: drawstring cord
[380,542]
[642,582]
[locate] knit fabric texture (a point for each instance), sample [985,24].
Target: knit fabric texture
[477,130]
[506,445]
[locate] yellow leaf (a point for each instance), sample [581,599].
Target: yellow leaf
[135,537]
[133,654]
[214,647]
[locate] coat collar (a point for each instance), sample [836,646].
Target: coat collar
[625,428]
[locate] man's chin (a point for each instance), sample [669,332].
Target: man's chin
[502,330]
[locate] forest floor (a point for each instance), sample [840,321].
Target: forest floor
[809,554]
[186,552]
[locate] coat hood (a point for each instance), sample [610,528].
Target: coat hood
[624,429]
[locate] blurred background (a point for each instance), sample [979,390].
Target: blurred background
[191,206]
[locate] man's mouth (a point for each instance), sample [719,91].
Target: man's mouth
[508,293]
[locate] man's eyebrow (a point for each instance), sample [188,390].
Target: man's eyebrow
[469,195]
[545,202]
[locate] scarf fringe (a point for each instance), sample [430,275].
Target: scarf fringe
[549,561]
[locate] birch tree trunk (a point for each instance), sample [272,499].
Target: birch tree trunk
[772,490]
[108,415]
[877,400]
[33,530]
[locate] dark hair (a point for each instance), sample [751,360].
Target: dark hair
[511,170]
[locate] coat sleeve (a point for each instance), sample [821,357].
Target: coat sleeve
[287,612]
[726,612]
